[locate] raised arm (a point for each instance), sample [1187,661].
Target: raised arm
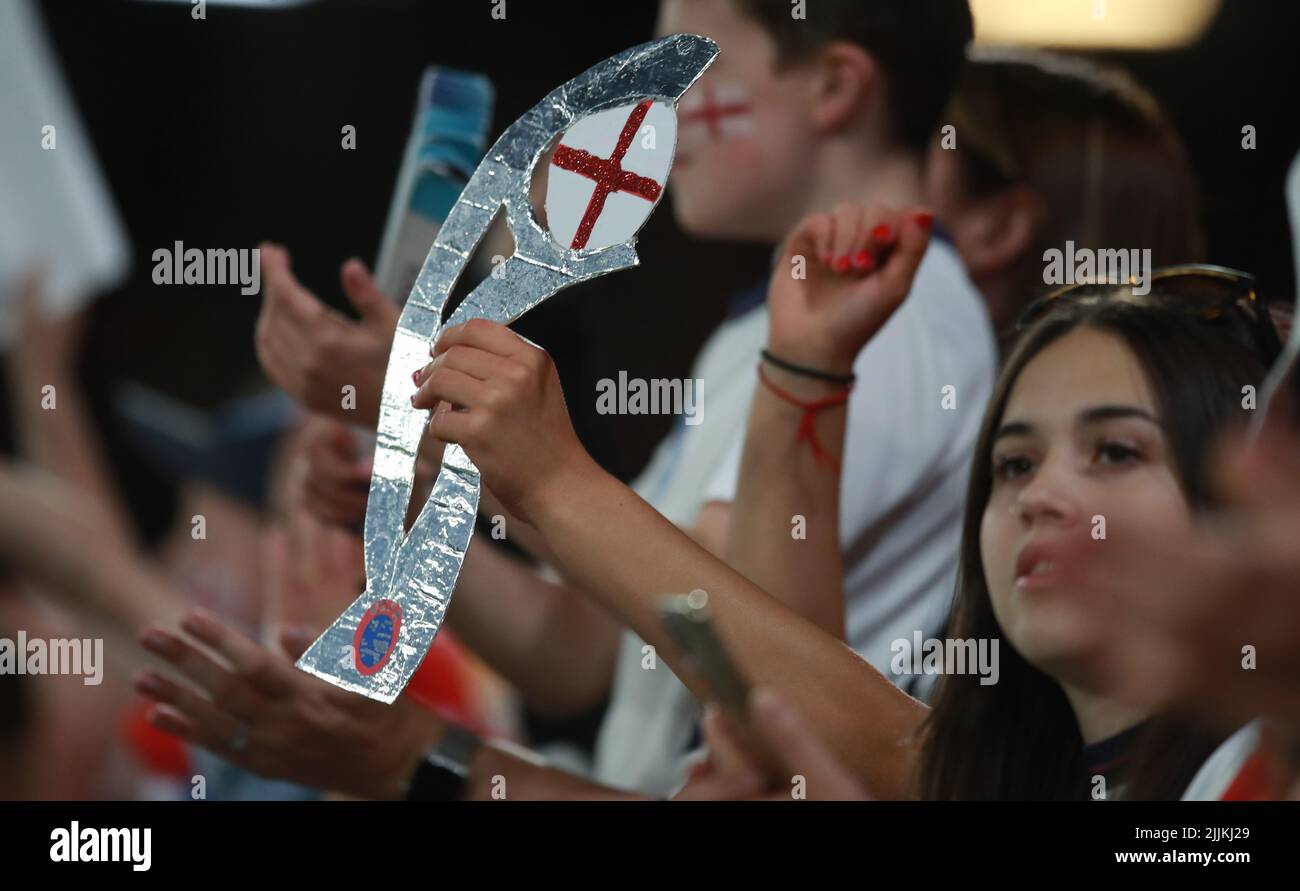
[54,426]
[840,277]
[510,416]
[630,556]
[61,537]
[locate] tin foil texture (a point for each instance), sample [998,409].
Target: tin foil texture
[377,644]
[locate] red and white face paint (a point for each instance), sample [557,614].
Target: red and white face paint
[716,112]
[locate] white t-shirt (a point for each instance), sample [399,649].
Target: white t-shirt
[905,470]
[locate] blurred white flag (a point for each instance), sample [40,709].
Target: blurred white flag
[55,208]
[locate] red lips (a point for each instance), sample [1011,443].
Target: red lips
[1031,555]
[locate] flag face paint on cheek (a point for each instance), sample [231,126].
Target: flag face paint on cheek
[613,184]
[716,112]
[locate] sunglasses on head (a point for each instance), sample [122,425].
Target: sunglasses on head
[1210,293]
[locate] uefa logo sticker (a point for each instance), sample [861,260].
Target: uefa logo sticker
[376,636]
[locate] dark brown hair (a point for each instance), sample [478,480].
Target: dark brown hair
[1019,739]
[918,44]
[1090,141]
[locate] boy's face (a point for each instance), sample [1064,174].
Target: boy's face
[744,150]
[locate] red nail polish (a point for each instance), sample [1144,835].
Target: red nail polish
[415,376]
[864,261]
[155,639]
[883,233]
[925,219]
[842,264]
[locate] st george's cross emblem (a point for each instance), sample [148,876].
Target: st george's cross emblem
[615,131]
[608,172]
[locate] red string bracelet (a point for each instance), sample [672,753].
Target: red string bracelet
[807,425]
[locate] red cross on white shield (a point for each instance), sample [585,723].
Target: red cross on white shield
[608,173]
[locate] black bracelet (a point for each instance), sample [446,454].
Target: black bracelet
[808,372]
[443,774]
[433,781]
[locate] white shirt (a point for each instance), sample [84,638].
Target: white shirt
[905,470]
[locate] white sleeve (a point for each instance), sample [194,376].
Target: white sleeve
[890,445]
[915,412]
[903,437]
[650,477]
[722,485]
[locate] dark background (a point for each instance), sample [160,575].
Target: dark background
[226,131]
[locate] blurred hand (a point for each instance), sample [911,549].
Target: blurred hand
[327,474]
[857,266]
[46,345]
[312,572]
[313,351]
[506,409]
[253,708]
[731,772]
[64,539]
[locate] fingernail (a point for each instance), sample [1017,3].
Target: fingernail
[155,640]
[148,682]
[863,260]
[415,376]
[925,219]
[825,257]
[198,621]
[882,233]
[842,264]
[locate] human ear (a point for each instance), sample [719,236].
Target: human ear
[844,80]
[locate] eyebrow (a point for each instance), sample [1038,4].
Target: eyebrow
[1094,415]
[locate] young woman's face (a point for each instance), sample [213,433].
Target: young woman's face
[1079,459]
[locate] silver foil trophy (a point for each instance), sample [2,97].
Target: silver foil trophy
[618,120]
